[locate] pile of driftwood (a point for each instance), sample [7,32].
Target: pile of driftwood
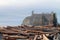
[30,32]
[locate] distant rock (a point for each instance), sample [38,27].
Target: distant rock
[41,19]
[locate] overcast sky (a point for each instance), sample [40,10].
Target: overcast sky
[12,12]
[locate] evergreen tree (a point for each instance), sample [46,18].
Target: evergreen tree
[54,20]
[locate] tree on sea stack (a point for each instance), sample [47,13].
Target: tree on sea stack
[54,20]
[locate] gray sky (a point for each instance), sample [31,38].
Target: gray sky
[12,12]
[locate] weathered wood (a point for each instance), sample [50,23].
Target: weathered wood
[28,32]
